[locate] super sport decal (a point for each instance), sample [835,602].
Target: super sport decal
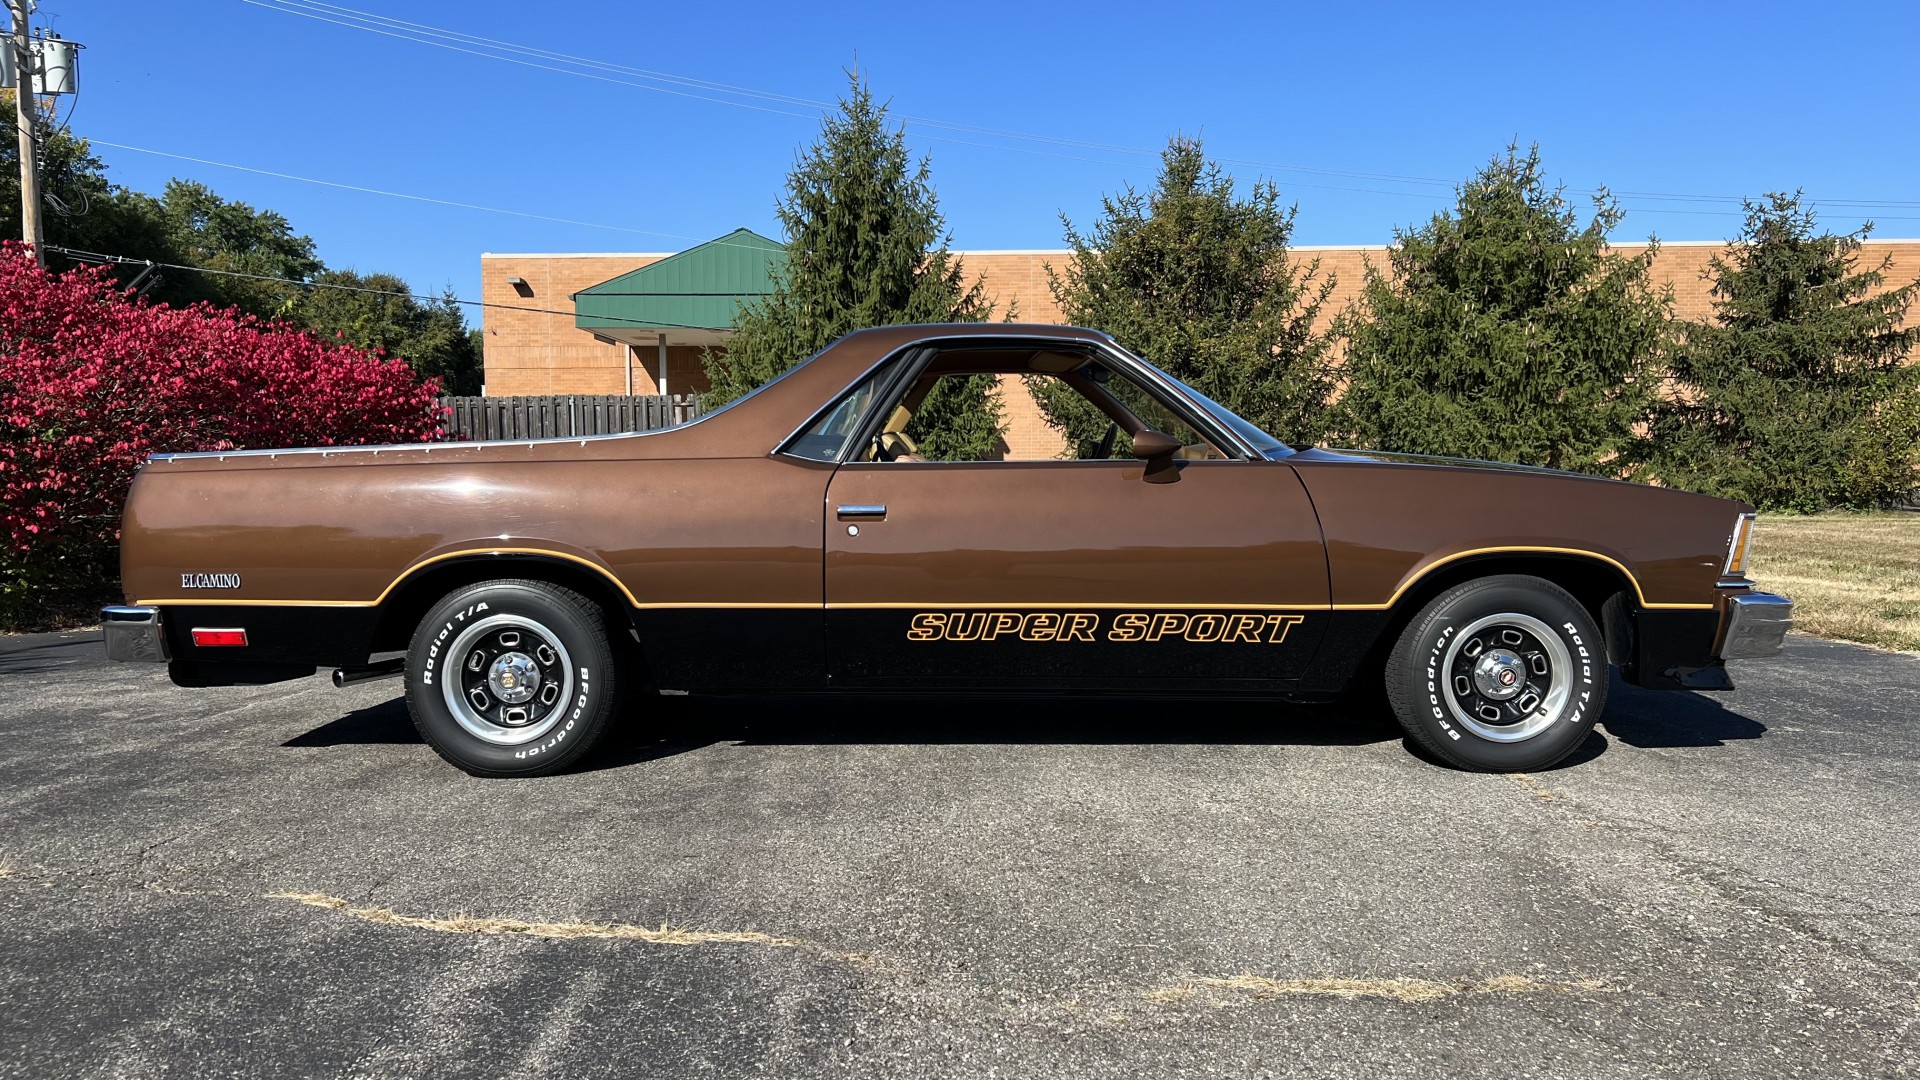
[1068,626]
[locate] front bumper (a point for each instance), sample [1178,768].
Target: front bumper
[1756,626]
[1665,649]
[133,633]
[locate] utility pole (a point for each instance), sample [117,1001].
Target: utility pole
[24,120]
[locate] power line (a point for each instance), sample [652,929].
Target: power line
[490,48]
[125,260]
[390,194]
[524,63]
[457,35]
[683,236]
[670,235]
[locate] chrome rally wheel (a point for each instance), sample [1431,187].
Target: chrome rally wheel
[1500,674]
[1507,676]
[513,677]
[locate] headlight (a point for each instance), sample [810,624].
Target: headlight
[1738,547]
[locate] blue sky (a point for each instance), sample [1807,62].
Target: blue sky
[1365,115]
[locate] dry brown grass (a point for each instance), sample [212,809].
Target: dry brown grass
[7,866]
[1852,577]
[470,924]
[1257,987]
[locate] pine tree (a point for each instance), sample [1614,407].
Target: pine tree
[1795,395]
[866,246]
[1506,331]
[1198,282]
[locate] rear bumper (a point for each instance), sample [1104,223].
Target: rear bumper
[134,633]
[1756,626]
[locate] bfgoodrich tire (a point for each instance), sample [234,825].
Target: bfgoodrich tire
[513,678]
[1500,674]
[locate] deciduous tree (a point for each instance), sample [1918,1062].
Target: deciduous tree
[379,313]
[205,230]
[84,209]
[91,382]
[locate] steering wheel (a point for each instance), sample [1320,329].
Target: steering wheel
[1105,449]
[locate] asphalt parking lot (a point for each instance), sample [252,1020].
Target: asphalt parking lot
[283,881]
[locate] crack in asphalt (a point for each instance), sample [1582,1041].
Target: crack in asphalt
[1404,990]
[665,934]
[1210,990]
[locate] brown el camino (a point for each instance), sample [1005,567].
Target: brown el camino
[799,540]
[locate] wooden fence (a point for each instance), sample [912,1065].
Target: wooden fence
[561,416]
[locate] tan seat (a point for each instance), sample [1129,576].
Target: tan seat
[894,442]
[897,447]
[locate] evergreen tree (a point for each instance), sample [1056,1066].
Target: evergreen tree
[1795,395]
[1506,331]
[1198,282]
[866,246]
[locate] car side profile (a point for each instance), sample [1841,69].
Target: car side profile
[802,539]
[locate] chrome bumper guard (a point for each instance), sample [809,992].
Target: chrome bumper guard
[133,633]
[1757,625]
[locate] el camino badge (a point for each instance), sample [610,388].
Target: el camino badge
[209,581]
[1091,626]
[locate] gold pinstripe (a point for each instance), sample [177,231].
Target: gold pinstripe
[891,605]
[1458,555]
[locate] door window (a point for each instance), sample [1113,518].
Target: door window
[972,416]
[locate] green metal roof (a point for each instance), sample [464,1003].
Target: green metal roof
[701,287]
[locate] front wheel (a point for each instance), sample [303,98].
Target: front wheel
[512,678]
[1501,674]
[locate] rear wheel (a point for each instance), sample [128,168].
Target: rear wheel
[1502,674]
[512,678]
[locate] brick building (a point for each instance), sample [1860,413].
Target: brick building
[589,324]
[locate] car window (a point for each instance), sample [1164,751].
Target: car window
[827,437]
[1266,444]
[1151,412]
[953,418]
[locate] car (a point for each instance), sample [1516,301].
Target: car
[800,539]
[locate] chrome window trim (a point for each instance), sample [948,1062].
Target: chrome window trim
[419,448]
[1103,348]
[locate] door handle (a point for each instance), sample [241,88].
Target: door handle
[861,511]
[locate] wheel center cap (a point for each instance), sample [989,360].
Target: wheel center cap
[1499,674]
[513,678]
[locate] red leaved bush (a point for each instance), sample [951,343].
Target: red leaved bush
[92,381]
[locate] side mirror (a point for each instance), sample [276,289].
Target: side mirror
[1149,444]
[1157,448]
